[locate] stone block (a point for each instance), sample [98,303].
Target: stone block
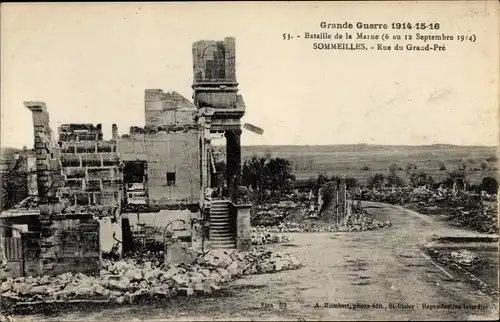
[179,253]
[217,99]
[244,244]
[243,224]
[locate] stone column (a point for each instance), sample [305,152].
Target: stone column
[205,144]
[243,227]
[233,161]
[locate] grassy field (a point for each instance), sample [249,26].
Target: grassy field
[349,160]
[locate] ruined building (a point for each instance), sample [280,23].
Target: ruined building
[160,159]
[87,185]
[79,184]
[168,163]
[220,109]
[93,178]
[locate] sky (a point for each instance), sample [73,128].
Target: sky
[91,62]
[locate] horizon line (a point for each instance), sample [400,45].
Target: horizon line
[338,145]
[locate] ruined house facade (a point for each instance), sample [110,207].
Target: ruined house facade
[93,178]
[161,158]
[91,168]
[169,162]
[86,184]
[66,234]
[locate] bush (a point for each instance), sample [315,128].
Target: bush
[334,178]
[376,181]
[456,174]
[411,168]
[365,168]
[474,188]
[492,158]
[462,165]
[395,180]
[420,178]
[442,166]
[393,168]
[485,165]
[490,185]
[327,192]
[351,182]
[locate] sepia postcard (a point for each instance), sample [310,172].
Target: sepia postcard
[249,161]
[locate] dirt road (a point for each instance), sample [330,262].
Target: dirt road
[385,270]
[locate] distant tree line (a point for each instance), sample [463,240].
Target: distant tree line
[418,178]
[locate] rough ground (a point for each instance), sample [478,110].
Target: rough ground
[384,266]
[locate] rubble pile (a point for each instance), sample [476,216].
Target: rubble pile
[262,236]
[401,195]
[361,221]
[463,262]
[464,208]
[294,227]
[464,257]
[483,219]
[274,214]
[5,318]
[249,263]
[421,195]
[125,281]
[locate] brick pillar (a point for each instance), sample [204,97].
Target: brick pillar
[49,179]
[233,161]
[48,166]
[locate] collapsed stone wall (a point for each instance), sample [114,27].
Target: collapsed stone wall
[91,169]
[94,178]
[169,145]
[66,240]
[71,245]
[167,109]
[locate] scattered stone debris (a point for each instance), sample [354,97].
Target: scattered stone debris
[293,227]
[263,236]
[462,207]
[362,222]
[464,257]
[126,280]
[4,317]
[357,221]
[275,213]
[462,262]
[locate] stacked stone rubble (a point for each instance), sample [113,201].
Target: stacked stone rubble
[91,169]
[129,280]
[68,241]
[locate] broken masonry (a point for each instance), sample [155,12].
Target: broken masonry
[85,183]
